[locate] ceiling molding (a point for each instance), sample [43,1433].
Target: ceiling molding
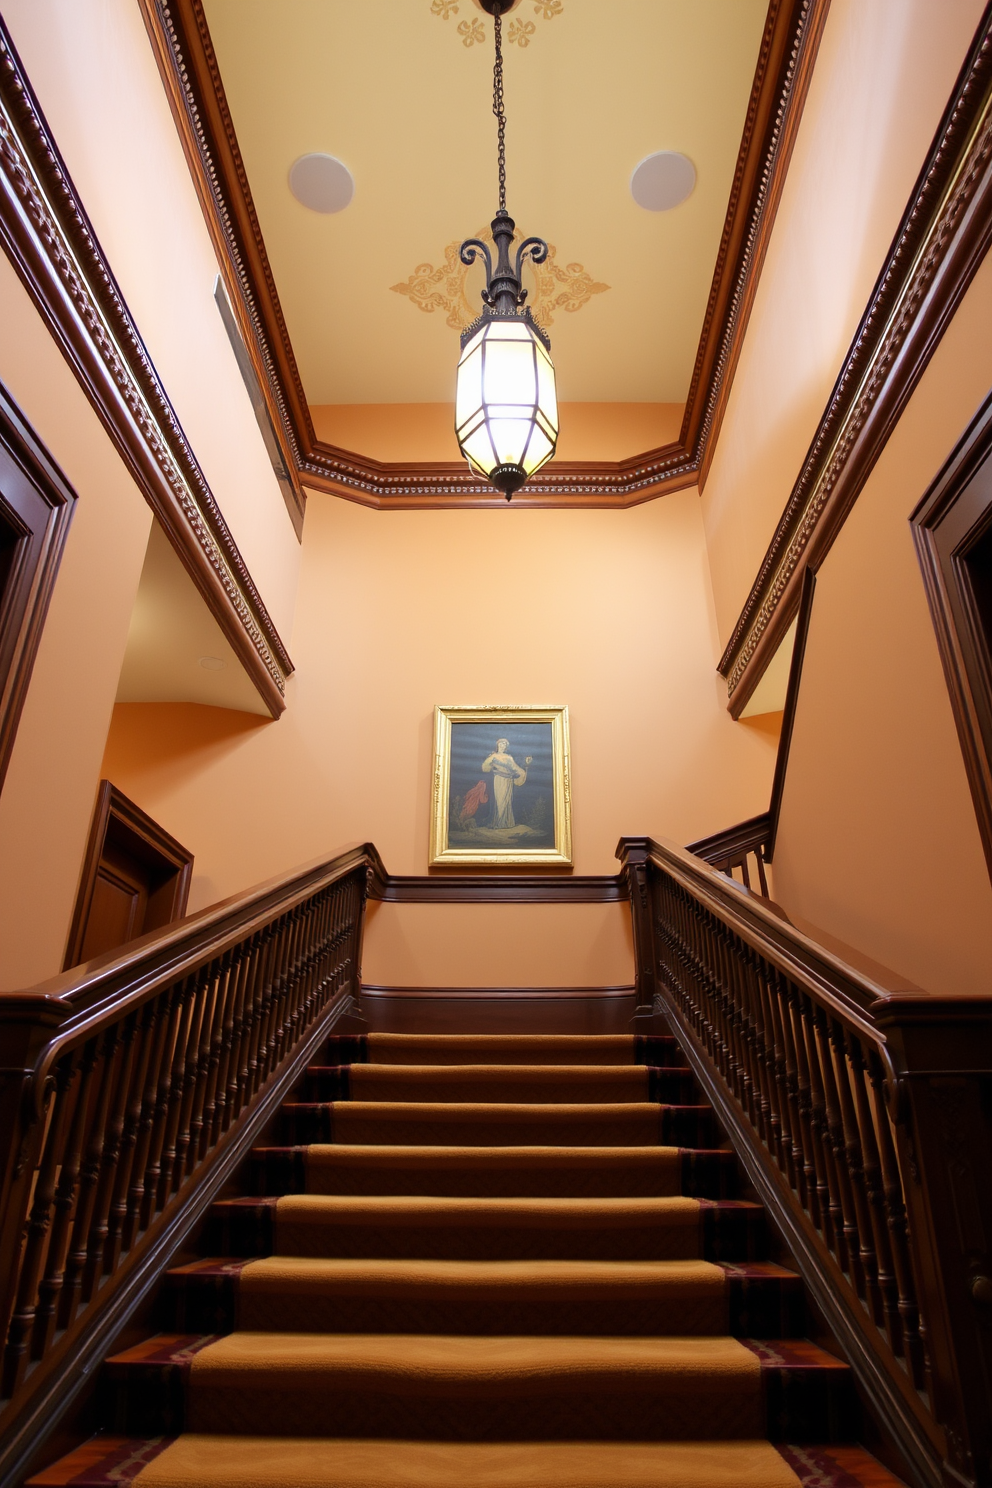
[181,41]
[52,246]
[944,235]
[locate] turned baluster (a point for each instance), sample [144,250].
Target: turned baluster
[16,1354]
[89,1173]
[212,1095]
[895,1214]
[162,1034]
[50,1287]
[872,1168]
[786,1073]
[129,1135]
[194,1071]
[181,1053]
[163,1105]
[99,1226]
[843,1218]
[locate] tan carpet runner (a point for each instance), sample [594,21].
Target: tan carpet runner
[482,1262]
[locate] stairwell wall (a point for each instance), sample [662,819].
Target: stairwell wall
[608,612]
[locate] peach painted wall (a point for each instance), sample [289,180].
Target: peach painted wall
[91,64]
[609,612]
[49,793]
[425,431]
[883,76]
[878,841]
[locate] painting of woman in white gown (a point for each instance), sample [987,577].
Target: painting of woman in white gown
[501,786]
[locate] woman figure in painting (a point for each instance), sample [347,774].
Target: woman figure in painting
[506,774]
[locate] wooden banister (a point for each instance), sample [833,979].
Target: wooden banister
[742,847]
[862,1109]
[130,1088]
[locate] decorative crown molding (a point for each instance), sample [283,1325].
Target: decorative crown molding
[181,40]
[943,237]
[51,244]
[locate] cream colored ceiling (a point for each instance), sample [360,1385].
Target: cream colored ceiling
[390,88]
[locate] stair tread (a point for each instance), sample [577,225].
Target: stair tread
[445,1208]
[603,1277]
[246,1462]
[418,1357]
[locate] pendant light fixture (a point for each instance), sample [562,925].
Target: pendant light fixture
[506,410]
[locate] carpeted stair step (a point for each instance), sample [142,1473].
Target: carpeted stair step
[246,1461]
[483,1124]
[416,1228]
[530,1084]
[426,1387]
[498,1048]
[595,1298]
[495,1172]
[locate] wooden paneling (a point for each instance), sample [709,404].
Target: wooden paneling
[47,236]
[36,507]
[943,237]
[181,39]
[952,528]
[135,878]
[498,1009]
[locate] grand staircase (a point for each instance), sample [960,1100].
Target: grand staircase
[498,1261]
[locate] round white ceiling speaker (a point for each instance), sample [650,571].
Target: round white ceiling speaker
[321,182]
[212,663]
[662,181]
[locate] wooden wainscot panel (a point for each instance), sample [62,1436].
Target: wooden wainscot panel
[135,879]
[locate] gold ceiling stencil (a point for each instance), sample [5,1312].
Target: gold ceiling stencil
[443,288]
[519,31]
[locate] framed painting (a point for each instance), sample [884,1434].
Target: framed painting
[501,793]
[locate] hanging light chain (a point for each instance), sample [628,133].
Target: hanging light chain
[498,108]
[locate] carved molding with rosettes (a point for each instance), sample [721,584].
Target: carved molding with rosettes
[49,241]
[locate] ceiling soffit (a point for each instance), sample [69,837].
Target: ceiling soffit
[788,47]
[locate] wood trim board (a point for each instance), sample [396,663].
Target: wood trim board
[36,508]
[113,807]
[181,41]
[789,711]
[940,243]
[950,522]
[51,244]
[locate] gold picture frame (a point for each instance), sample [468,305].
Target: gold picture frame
[500,788]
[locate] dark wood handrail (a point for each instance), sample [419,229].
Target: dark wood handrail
[860,1106]
[131,1087]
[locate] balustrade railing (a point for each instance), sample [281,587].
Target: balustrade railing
[129,1083]
[739,850]
[862,1108]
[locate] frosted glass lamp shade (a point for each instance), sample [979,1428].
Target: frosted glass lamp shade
[506,410]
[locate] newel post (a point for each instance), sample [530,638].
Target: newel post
[941,1104]
[635,859]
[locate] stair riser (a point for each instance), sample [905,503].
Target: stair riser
[651,1049]
[393,1083]
[804,1405]
[211,1304]
[276,1171]
[722,1234]
[301,1124]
